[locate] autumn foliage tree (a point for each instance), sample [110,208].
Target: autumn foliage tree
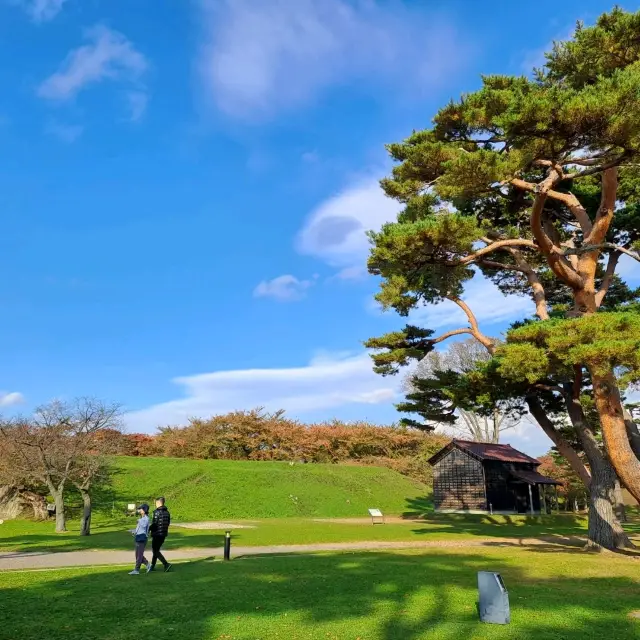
[63,445]
[534,184]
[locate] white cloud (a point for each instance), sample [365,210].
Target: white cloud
[108,55]
[137,104]
[356,272]
[283,288]
[264,56]
[336,230]
[10,399]
[66,132]
[41,10]
[329,381]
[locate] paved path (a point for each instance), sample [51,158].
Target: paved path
[25,560]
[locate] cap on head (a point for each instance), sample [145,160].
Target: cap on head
[144,507]
[161,500]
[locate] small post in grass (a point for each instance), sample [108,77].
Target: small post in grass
[227,546]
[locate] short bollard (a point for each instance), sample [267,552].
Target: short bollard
[227,546]
[493,598]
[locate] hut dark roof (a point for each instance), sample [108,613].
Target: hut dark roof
[486,451]
[533,477]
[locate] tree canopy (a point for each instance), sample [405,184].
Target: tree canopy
[533,183]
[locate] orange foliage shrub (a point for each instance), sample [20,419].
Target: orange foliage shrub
[257,435]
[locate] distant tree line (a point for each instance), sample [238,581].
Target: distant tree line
[260,435]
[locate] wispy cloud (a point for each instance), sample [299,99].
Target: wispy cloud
[535,58]
[65,132]
[286,288]
[329,381]
[41,10]
[261,57]
[138,101]
[10,399]
[108,55]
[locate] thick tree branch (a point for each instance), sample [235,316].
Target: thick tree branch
[557,262]
[495,246]
[606,209]
[450,334]
[604,246]
[572,203]
[608,277]
[603,168]
[485,341]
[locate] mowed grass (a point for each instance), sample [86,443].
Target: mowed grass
[221,489]
[367,595]
[29,536]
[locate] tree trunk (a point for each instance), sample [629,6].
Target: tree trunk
[632,432]
[85,523]
[16,502]
[563,447]
[614,430]
[61,523]
[605,531]
[621,512]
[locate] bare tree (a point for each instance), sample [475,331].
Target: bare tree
[463,357]
[62,443]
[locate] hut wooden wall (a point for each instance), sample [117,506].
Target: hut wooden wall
[458,483]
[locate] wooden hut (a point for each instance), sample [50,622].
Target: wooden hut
[476,477]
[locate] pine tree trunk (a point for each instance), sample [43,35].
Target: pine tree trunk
[563,447]
[633,432]
[614,430]
[605,531]
[85,523]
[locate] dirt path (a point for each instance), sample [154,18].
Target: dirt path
[17,560]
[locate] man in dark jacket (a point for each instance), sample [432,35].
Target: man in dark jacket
[159,531]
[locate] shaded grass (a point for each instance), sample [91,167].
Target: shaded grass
[109,534]
[374,595]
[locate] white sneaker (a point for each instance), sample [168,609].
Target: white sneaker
[135,572]
[149,568]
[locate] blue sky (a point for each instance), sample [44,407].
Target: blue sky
[185,185]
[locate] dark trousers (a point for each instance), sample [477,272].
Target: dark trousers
[156,543]
[140,559]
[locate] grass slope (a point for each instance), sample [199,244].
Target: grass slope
[220,489]
[375,595]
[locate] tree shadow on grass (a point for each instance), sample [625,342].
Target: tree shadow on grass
[487,525]
[374,595]
[106,541]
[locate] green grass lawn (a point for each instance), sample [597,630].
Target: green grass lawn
[40,536]
[221,489]
[367,595]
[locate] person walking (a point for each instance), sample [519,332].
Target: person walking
[159,531]
[140,534]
